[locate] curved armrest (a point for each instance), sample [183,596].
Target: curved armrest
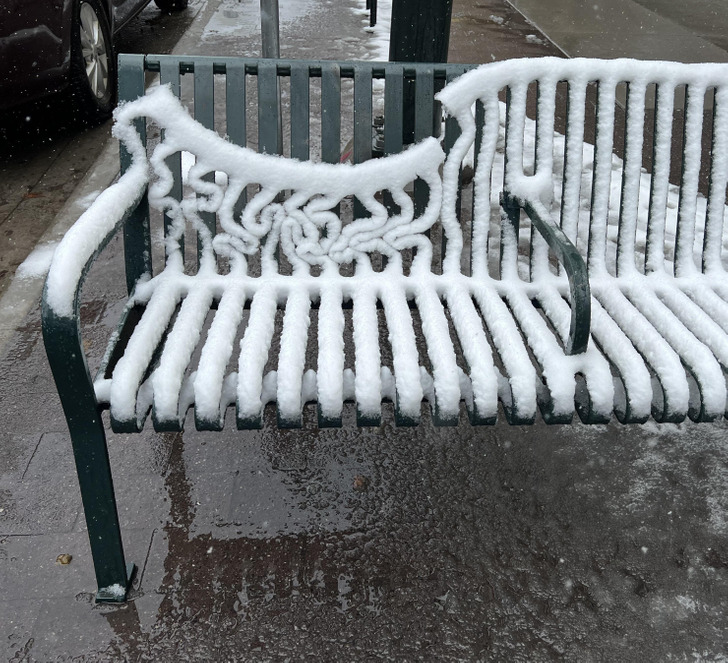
[59,309]
[574,265]
[87,237]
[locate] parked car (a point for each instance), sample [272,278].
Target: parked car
[50,45]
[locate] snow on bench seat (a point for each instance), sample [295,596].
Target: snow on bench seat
[290,305]
[205,339]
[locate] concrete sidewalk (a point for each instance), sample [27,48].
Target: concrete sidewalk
[535,543]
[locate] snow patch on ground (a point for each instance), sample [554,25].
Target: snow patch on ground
[37,264]
[234,17]
[378,44]
[86,201]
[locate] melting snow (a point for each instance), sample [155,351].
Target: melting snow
[38,263]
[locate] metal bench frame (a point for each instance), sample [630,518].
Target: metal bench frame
[62,332]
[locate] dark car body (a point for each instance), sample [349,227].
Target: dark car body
[35,44]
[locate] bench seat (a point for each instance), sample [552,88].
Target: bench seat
[199,363]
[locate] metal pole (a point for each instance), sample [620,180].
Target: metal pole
[270,30]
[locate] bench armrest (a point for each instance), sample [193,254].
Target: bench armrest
[576,271]
[60,305]
[86,239]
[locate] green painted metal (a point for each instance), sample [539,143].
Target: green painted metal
[300,112]
[363,123]
[62,339]
[716,189]
[393,138]
[137,238]
[479,121]
[452,133]
[169,74]
[420,30]
[654,250]
[62,335]
[393,109]
[88,439]
[424,114]
[268,108]
[684,234]
[570,258]
[204,98]
[235,106]
[603,145]
[330,112]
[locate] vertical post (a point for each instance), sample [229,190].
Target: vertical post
[270,31]
[269,27]
[137,238]
[420,32]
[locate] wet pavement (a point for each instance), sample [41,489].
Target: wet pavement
[581,543]
[45,150]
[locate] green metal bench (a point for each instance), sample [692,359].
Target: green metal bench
[489,268]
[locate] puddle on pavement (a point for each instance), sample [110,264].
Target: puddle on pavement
[462,544]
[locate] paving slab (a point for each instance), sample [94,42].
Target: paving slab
[622,28]
[30,570]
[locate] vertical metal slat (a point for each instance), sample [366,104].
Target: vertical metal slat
[300,111]
[660,182]
[602,173]
[393,99]
[692,133]
[712,245]
[330,113]
[452,133]
[573,158]
[169,75]
[137,239]
[424,100]
[268,111]
[632,164]
[362,124]
[235,108]
[205,114]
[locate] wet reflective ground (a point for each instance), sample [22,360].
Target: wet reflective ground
[599,543]
[499,543]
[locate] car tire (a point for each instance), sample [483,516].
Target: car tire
[93,65]
[171,5]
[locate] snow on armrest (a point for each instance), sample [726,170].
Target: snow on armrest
[87,236]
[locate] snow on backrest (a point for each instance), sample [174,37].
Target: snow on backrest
[660,225]
[293,209]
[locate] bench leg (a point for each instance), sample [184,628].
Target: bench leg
[62,340]
[113,576]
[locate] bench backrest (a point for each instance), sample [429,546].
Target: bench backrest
[330,112]
[598,126]
[586,112]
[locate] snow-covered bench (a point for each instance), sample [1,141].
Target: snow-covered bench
[409,278]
